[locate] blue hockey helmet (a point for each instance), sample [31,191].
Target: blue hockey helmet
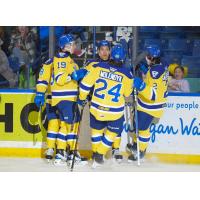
[64,40]
[153,51]
[118,53]
[103,43]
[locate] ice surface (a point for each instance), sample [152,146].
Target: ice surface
[40,165]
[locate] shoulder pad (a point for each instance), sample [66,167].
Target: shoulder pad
[90,61]
[156,71]
[49,61]
[101,64]
[127,72]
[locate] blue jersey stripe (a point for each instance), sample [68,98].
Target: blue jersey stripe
[62,137]
[105,141]
[42,82]
[153,98]
[84,87]
[56,78]
[120,109]
[64,93]
[150,106]
[51,135]
[144,139]
[71,137]
[96,139]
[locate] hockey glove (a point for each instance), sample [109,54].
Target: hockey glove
[139,84]
[39,99]
[79,74]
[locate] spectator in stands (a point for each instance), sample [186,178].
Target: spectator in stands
[178,83]
[23,46]
[5,70]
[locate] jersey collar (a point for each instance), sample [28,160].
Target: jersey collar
[62,55]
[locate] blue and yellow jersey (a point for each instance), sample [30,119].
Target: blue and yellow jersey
[152,99]
[92,62]
[62,88]
[43,82]
[111,85]
[89,64]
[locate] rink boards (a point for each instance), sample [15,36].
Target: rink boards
[175,138]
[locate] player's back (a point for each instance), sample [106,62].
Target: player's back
[63,66]
[157,80]
[111,84]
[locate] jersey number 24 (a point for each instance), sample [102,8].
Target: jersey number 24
[113,91]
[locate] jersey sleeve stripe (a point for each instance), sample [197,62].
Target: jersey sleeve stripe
[144,105]
[107,108]
[42,82]
[58,94]
[85,86]
[58,76]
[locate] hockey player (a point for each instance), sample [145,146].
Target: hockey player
[64,95]
[104,56]
[42,87]
[111,83]
[152,93]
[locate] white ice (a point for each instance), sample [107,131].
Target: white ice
[40,165]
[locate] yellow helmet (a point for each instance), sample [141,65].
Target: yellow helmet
[173,66]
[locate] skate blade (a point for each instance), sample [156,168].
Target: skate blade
[77,163]
[49,160]
[60,163]
[136,161]
[117,160]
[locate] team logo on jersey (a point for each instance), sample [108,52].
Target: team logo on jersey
[154,74]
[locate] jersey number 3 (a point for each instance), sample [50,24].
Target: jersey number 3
[113,91]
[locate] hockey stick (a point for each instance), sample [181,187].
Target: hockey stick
[77,137]
[84,63]
[136,124]
[135,101]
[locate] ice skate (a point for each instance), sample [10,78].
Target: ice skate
[49,154]
[60,158]
[98,160]
[133,150]
[116,155]
[79,160]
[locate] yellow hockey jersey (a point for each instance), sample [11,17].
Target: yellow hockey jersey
[152,99]
[92,62]
[62,87]
[43,82]
[111,84]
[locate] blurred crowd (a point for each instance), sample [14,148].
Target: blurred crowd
[18,53]
[22,49]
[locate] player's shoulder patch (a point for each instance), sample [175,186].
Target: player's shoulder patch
[156,71]
[49,61]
